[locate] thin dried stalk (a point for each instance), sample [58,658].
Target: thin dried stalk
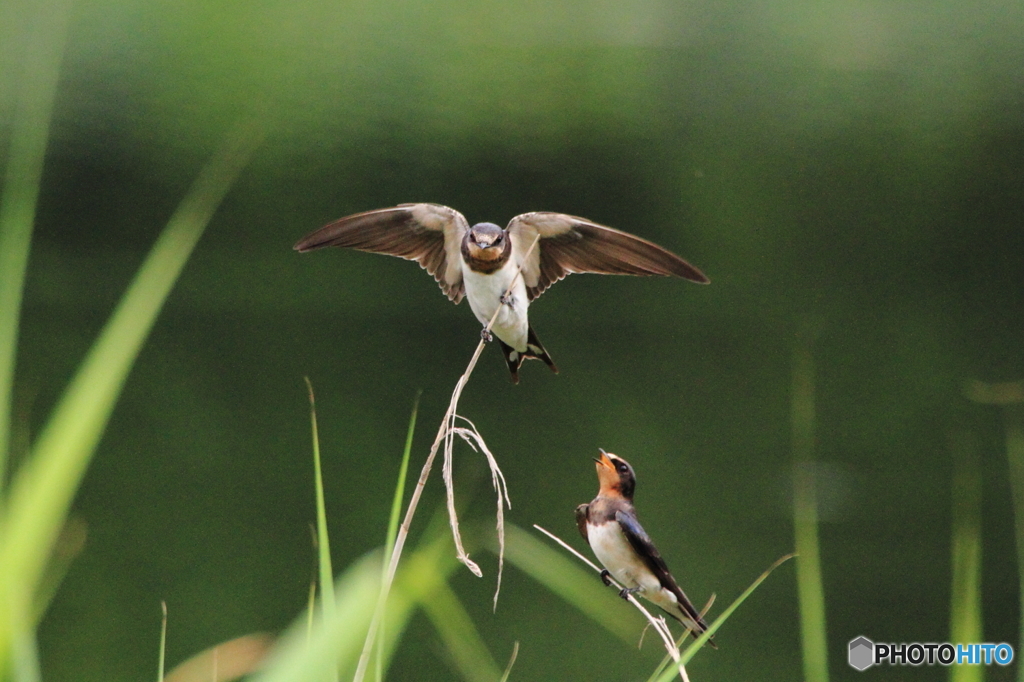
[511,662]
[659,624]
[471,436]
[445,434]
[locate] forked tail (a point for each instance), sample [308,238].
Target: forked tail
[534,350]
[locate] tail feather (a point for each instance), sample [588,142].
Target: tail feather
[534,349]
[691,618]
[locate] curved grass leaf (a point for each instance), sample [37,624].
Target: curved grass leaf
[42,490]
[670,672]
[336,642]
[578,586]
[35,87]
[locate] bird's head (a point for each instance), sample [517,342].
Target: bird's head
[486,242]
[615,476]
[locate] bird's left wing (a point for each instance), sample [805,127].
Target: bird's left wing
[568,245]
[430,234]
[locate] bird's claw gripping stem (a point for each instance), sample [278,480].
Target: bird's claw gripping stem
[626,592]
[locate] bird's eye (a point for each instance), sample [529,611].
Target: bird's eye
[623,468]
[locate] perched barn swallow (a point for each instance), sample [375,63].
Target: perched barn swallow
[480,262]
[611,528]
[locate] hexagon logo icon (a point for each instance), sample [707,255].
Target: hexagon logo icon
[862,653]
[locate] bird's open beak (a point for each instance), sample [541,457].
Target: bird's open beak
[604,461]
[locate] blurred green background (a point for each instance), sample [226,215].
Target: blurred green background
[852,167]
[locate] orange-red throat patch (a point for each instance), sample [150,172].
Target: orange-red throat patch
[607,476]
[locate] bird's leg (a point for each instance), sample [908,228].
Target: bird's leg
[606,577]
[486,335]
[626,592]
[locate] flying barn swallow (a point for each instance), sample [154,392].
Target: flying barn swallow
[480,262]
[611,528]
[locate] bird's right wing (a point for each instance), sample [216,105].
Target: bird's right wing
[582,512]
[429,234]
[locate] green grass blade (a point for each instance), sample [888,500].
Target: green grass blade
[552,569]
[396,514]
[26,657]
[68,546]
[310,609]
[337,642]
[403,473]
[1010,397]
[667,660]
[334,641]
[44,486]
[36,87]
[421,573]
[686,655]
[460,636]
[1015,456]
[322,536]
[965,623]
[422,580]
[810,588]
[564,577]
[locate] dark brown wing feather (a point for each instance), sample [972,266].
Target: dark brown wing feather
[575,245]
[425,233]
[582,512]
[641,542]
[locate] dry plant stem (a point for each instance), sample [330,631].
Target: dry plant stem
[511,662]
[660,626]
[471,436]
[163,641]
[444,434]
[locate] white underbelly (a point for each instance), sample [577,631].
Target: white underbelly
[484,294]
[614,551]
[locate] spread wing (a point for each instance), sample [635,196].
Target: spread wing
[569,245]
[429,234]
[641,542]
[582,512]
